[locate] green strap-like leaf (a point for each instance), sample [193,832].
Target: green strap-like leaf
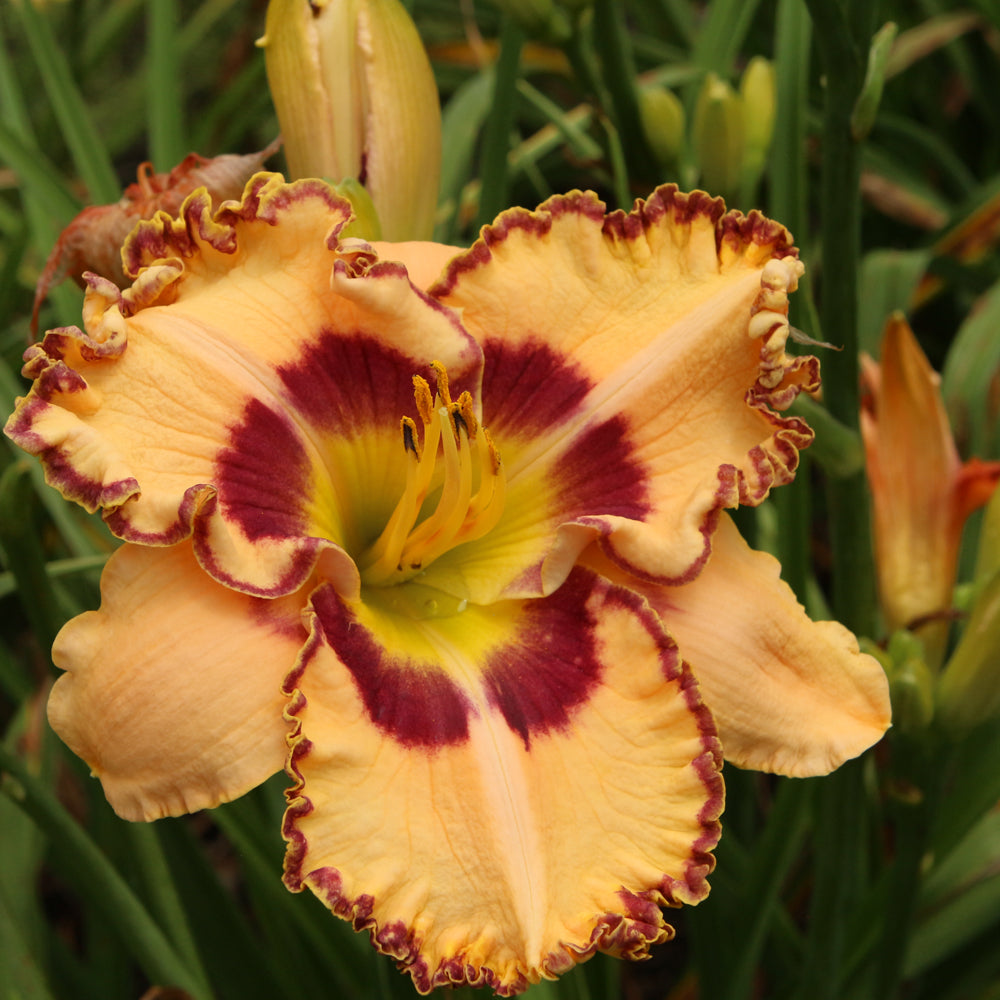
[94,877]
[89,155]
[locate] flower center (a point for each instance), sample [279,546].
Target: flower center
[455,455]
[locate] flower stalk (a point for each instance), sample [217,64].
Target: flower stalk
[840,228]
[838,41]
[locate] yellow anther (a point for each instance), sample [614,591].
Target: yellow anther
[410,442]
[468,410]
[424,399]
[456,419]
[442,382]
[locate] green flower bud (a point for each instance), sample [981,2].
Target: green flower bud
[717,136]
[356,98]
[758,94]
[969,690]
[866,106]
[663,122]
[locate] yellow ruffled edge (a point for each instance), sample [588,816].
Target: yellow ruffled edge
[265,196]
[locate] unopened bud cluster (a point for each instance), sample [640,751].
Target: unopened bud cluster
[726,143]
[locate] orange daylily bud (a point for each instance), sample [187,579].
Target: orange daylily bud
[921,491]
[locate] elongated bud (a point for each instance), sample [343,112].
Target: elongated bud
[757,92]
[866,107]
[717,135]
[663,122]
[969,692]
[356,98]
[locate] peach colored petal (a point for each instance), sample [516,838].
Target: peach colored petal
[239,322]
[425,262]
[789,695]
[172,691]
[497,797]
[676,319]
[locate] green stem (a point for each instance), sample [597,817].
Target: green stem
[69,107]
[774,854]
[619,167]
[788,197]
[584,64]
[35,172]
[840,876]
[46,202]
[882,931]
[722,33]
[618,72]
[494,197]
[840,46]
[346,972]
[910,814]
[787,167]
[841,819]
[837,450]
[26,974]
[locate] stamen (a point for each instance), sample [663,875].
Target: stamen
[467,408]
[434,536]
[410,436]
[423,399]
[464,464]
[442,382]
[383,555]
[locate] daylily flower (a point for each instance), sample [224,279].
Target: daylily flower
[93,240]
[922,492]
[439,530]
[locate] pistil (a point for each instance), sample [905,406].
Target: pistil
[456,455]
